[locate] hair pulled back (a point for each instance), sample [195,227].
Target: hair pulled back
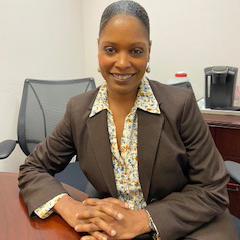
[125,7]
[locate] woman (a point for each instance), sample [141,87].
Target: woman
[143,145]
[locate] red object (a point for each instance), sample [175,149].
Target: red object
[181,74]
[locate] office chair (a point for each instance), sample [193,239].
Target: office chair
[42,106]
[233,169]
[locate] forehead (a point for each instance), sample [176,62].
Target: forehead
[124,26]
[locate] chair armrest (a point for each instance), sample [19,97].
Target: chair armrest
[233,169]
[6,148]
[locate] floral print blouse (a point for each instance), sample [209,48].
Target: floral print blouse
[125,161]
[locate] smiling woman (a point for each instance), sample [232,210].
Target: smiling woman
[143,145]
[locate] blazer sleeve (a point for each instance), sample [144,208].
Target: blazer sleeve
[205,195]
[36,176]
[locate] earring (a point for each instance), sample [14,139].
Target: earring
[148,69]
[98,69]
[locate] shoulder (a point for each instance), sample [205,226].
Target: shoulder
[170,95]
[174,102]
[166,90]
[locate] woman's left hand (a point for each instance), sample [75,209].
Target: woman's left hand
[131,225]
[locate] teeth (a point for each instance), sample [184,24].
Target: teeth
[121,76]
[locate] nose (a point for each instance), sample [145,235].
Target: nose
[122,61]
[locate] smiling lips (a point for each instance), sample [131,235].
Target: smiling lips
[122,77]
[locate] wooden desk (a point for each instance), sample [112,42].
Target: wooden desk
[226,134]
[15,222]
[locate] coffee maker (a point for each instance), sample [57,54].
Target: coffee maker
[220,82]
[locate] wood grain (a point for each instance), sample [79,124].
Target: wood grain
[15,222]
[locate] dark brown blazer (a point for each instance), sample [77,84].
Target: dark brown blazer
[181,172]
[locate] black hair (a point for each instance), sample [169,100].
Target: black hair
[125,7]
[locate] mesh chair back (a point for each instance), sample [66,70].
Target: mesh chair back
[43,106]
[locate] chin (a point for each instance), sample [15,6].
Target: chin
[123,89]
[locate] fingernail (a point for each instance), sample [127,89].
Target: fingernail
[77,215]
[126,205]
[76,228]
[120,216]
[113,233]
[104,238]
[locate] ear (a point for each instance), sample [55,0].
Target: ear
[149,49]
[98,45]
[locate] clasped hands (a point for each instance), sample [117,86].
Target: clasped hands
[103,219]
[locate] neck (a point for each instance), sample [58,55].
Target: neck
[122,100]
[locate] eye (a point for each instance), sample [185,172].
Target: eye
[110,50]
[137,51]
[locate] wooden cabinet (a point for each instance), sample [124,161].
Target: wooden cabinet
[225,131]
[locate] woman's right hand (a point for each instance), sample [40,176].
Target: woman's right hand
[69,210]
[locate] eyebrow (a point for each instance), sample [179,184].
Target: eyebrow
[133,44]
[109,42]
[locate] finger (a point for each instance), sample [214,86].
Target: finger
[92,213]
[95,201]
[99,235]
[106,207]
[111,211]
[104,226]
[86,227]
[116,201]
[92,201]
[88,237]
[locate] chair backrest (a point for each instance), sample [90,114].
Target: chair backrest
[184,85]
[43,106]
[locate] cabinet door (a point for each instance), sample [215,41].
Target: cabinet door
[213,132]
[228,143]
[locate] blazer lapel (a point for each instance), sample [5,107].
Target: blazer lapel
[149,131]
[98,131]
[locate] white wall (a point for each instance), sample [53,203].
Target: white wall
[187,35]
[57,39]
[38,39]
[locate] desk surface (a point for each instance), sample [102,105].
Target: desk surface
[15,222]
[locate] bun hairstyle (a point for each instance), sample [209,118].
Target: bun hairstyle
[128,8]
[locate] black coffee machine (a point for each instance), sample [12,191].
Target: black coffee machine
[220,82]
